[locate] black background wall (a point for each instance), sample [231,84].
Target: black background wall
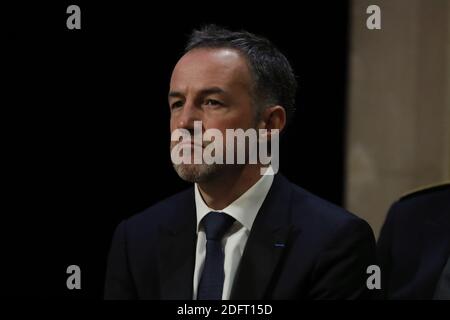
[85,122]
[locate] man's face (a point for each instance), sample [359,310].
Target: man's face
[212,86]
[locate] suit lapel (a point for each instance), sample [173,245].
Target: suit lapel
[434,251]
[265,245]
[442,291]
[177,245]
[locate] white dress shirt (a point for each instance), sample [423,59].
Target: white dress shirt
[244,211]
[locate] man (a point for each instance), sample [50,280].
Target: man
[237,234]
[414,245]
[442,291]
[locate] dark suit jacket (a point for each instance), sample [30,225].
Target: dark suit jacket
[300,246]
[442,291]
[414,244]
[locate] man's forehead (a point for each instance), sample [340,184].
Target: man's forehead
[212,54]
[205,65]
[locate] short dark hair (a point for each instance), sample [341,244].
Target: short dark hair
[274,79]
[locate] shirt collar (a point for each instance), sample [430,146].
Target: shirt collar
[244,209]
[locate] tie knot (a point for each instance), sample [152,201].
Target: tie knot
[216,224]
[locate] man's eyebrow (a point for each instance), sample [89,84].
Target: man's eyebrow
[175,94]
[204,92]
[212,90]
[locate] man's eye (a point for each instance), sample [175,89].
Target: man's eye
[212,102]
[176,104]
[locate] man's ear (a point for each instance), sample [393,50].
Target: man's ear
[273,117]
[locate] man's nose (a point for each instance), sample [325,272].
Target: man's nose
[188,115]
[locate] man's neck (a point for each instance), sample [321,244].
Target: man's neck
[226,188]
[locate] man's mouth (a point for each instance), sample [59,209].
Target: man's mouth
[191,144]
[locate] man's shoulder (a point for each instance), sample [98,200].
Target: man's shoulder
[426,192]
[314,213]
[425,203]
[316,207]
[164,210]
[320,224]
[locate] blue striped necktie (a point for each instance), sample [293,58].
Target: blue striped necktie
[215,225]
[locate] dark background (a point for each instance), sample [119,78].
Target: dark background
[86,122]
